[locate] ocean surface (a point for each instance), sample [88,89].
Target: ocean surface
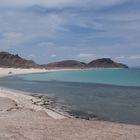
[108,94]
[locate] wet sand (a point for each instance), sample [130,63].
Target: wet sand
[23,118]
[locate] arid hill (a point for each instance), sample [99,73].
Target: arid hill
[66,64]
[9,60]
[105,63]
[98,63]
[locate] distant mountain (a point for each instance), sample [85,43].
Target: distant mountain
[15,61]
[10,60]
[105,63]
[98,63]
[66,64]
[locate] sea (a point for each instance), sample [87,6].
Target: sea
[106,94]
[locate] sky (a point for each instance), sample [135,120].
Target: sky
[54,30]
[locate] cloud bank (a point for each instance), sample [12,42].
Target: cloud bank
[52,30]
[61,3]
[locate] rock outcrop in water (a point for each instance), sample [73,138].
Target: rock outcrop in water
[15,61]
[8,60]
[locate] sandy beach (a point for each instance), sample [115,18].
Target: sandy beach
[23,118]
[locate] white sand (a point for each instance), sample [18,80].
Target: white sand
[23,100]
[22,119]
[5,71]
[26,101]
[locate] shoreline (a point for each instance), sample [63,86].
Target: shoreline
[52,112]
[51,107]
[38,123]
[26,100]
[16,71]
[17,95]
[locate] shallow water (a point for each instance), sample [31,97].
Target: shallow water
[109,94]
[122,77]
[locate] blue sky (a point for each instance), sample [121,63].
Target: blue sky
[53,30]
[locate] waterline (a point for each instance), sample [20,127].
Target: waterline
[108,102]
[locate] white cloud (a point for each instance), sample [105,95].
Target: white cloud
[11,39]
[120,57]
[61,3]
[70,33]
[82,55]
[46,44]
[31,56]
[133,57]
[12,35]
[53,55]
[20,28]
[85,56]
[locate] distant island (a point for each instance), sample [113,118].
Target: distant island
[8,60]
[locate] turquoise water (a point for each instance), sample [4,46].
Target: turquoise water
[108,94]
[122,77]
